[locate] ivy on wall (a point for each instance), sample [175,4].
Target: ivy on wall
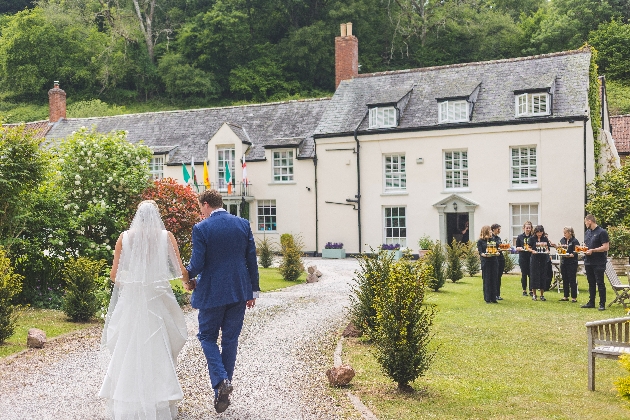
[594,103]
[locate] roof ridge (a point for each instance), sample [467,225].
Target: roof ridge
[582,50]
[620,116]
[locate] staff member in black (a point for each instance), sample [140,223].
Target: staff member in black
[539,273]
[489,266]
[524,256]
[496,229]
[569,265]
[598,242]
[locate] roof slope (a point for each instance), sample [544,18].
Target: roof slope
[620,130]
[190,130]
[566,73]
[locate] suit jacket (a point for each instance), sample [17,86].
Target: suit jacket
[224,253]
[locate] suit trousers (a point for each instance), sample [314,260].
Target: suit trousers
[595,277]
[229,320]
[569,279]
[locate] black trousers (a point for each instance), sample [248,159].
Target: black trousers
[500,274]
[569,279]
[523,263]
[489,274]
[595,277]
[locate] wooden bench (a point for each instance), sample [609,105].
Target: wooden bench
[608,338]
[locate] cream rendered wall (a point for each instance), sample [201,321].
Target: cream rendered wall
[559,194]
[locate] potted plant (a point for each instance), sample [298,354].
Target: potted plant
[392,249]
[619,247]
[333,250]
[425,243]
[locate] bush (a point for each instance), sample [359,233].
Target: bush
[471,259]
[291,266]
[10,285]
[265,249]
[436,258]
[372,276]
[403,323]
[104,294]
[509,264]
[454,253]
[619,241]
[623,384]
[181,295]
[82,278]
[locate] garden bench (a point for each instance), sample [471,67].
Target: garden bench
[622,291]
[608,338]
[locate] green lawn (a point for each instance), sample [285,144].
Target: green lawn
[518,359]
[270,279]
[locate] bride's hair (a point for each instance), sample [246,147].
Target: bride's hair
[149,202]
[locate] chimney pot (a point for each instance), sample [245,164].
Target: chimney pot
[346,55]
[349,28]
[343,29]
[56,103]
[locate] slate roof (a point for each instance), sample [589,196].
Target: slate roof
[190,130]
[620,130]
[566,73]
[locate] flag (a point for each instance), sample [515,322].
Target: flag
[193,174]
[206,176]
[244,171]
[228,177]
[185,174]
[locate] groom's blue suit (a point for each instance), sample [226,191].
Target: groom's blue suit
[224,253]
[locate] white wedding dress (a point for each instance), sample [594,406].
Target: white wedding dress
[145,327]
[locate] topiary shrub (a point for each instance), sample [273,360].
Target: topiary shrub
[436,258]
[265,249]
[10,285]
[509,264]
[454,253]
[291,267]
[471,259]
[403,322]
[82,279]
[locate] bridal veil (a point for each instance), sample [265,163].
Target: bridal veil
[144,328]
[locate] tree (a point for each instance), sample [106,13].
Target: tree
[612,42]
[609,198]
[454,253]
[10,285]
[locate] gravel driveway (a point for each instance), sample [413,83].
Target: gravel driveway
[285,348]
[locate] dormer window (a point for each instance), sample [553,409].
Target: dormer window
[532,104]
[382,117]
[453,111]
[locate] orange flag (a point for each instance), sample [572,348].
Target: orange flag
[206,177]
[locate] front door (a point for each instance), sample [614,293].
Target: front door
[457,227]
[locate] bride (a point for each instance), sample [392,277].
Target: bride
[144,328]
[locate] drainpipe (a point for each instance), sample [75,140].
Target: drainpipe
[316,213]
[358,196]
[585,194]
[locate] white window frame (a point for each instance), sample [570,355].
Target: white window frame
[221,158]
[382,117]
[530,104]
[522,166]
[521,213]
[453,111]
[266,215]
[395,225]
[458,171]
[394,172]
[282,164]
[156,166]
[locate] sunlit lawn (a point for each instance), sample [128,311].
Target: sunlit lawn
[270,279]
[518,359]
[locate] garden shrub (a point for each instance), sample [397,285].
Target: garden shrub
[291,266]
[454,253]
[471,259]
[402,334]
[265,249]
[623,384]
[82,278]
[103,294]
[372,276]
[436,258]
[509,264]
[10,285]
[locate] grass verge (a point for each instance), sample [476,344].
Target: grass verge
[518,359]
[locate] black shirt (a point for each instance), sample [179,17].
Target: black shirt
[571,243]
[594,239]
[497,241]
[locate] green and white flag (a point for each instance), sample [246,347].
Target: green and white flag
[185,173]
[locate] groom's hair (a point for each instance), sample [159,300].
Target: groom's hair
[212,197]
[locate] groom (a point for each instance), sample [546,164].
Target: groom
[224,253]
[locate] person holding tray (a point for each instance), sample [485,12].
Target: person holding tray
[569,264]
[489,265]
[538,270]
[524,257]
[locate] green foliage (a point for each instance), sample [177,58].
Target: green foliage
[436,258]
[403,323]
[608,198]
[93,108]
[103,294]
[618,97]
[183,80]
[454,253]
[82,278]
[471,259]
[612,41]
[10,286]
[24,112]
[181,296]
[265,249]
[619,241]
[623,384]
[594,103]
[291,266]
[425,242]
[509,264]
[372,276]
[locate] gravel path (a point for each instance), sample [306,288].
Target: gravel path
[286,346]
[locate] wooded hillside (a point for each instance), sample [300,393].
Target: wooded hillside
[187,53]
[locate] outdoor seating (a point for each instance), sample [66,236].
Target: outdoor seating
[622,291]
[609,338]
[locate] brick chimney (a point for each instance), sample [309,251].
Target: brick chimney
[346,55]
[56,103]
